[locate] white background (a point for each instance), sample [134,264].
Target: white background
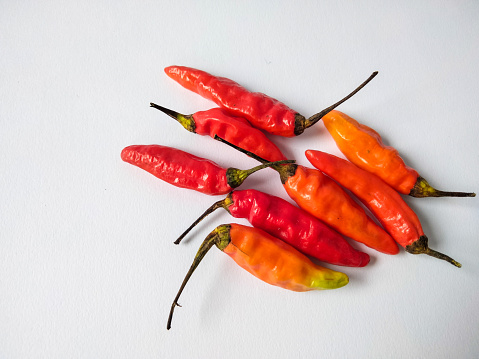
[87,264]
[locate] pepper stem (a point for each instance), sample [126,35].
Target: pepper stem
[284,171]
[220,204]
[186,121]
[204,248]
[219,237]
[315,118]
[423,189]
[421,247]
[236,177]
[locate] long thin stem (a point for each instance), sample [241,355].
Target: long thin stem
[250,154]
[315,118]
[171,113]
[205,247]
[214,207]
[439,255]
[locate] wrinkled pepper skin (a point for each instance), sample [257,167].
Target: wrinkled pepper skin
[178,168]
[277,263]
[324,199]
[260,110]
[234,129]
[382,200]
[294,226]
[364,147]
[185,170]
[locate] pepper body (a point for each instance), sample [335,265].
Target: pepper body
[179,168]
[260,110]
[364,147]
[381,199]
[294,226]
[324,199]
[234,129]
[277,263]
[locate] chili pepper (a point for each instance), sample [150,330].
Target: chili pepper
[260,110]
[364,147]
[381,199]
[294,226]
[234,129]
[323,198]
[185,170]
[267,258]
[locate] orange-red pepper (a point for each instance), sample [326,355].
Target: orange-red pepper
[325,199]
[364,147]
[381,199]
[260,110]
[267,258]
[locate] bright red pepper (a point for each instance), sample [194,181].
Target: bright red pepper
[185,170]
[364,147]
[381,199]
[326,200]
[267,258]
[260,110]
[291,224]
[234,129]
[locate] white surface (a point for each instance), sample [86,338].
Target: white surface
[87,264]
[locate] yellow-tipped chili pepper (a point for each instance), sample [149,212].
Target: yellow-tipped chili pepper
[364,147]
[267,258]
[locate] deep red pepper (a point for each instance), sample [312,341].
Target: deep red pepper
[296,227]
[234,129]
[381,199]
[185,170]
[260,110]
[319,195]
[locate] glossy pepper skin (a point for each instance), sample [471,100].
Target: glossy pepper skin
[185,170]
[260,110]
[364,147]
[267,258]
[234,129]
[320,196]
[289,223]
[381,199]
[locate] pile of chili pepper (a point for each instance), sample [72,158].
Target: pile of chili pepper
[278,248]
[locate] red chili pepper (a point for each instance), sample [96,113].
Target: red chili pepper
[323,198]
[260,110]
[267,258]
[364,147]
[383,201]
[236,130]
[296,227]
[185,170]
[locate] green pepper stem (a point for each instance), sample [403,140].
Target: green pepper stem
[315,118]
[284,171]
[420,246]
[186,121]
[423,189]
[204,248]
[214,207]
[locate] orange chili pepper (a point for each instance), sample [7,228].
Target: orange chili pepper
[267,258]
[319,195]
[364,147]
[381,199]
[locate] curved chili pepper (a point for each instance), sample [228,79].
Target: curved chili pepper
[325,199]
[267,258]
[381,199]
[260,110]
[234,129]
[364,147]
[294,226]
[185,170]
